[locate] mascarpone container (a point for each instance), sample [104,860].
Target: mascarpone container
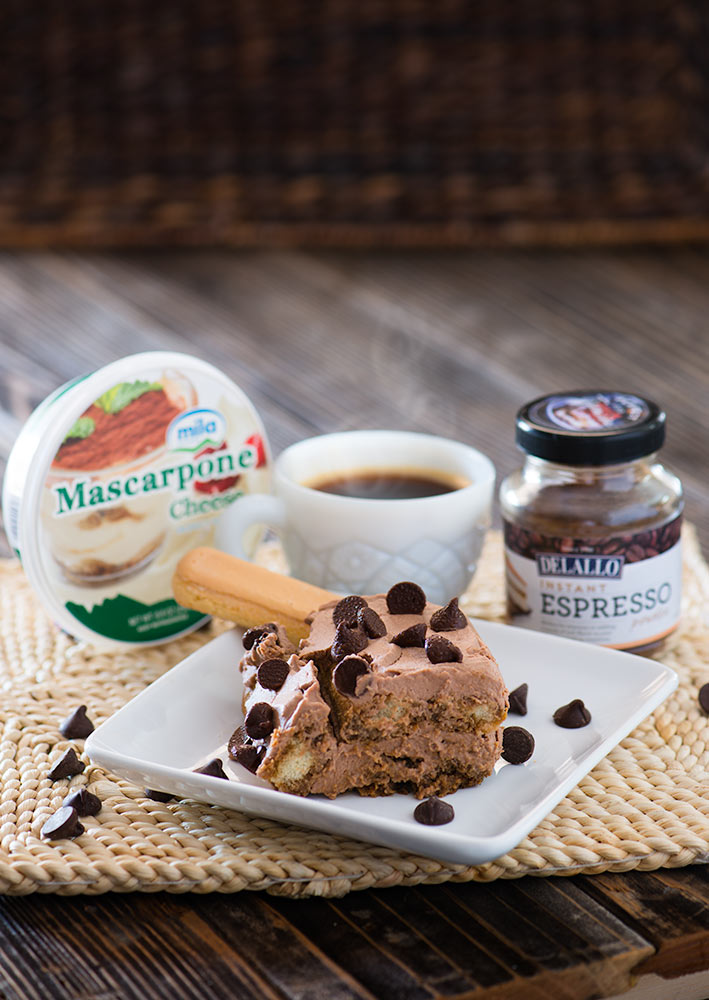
[114,477]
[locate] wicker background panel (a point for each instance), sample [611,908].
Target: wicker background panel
[646,805]
[353,122]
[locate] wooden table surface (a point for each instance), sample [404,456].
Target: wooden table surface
[448,343]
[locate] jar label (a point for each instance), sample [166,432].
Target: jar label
[623,591]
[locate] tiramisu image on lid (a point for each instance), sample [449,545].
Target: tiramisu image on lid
[136,464]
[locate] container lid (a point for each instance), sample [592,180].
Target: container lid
[590,427]
[115,476]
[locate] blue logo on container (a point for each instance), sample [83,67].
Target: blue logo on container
[196,429]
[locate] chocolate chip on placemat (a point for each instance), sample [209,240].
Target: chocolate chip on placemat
[77,726]
[441,650]
[84,801]
[63,823]
[448,619]
[67,765]
[518,700]
[517,744]
[703,698]
[347,641]
[153,793]
[572,716]
[272,674]
[413,636]
[253,635]
[345,611]
[260,721]
[213,768]
[433,812]
[405,599]
[345,674]
[369,620]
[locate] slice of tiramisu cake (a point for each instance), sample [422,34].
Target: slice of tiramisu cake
[386,694]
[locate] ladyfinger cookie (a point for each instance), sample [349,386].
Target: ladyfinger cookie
[219,584]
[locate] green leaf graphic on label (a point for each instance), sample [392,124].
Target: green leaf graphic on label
[81,429]
[128,620]
[117,398]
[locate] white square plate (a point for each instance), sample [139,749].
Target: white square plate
[187,716]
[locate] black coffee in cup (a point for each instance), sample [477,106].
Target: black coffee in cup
[383,484]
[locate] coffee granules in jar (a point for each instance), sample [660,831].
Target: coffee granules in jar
[592,522]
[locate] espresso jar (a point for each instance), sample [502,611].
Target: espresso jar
[592,522]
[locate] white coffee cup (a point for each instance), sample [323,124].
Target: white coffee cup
[355,545]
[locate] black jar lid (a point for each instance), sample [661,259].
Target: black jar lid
[590,427]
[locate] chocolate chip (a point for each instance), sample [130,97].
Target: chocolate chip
[84,801]
[369,620]
[260,721]
[249,757]
[213,768]
[67,765]
[243,751]
[448,619]
[517,744]
[63,823]
[433,812]
[413,636]
[253,635]
[77,726]
[406,599]
[345,611]
[518,700]
[441,650]
[345,674]
[347,641]
[153,793]
[703,697]
[272,674]
[572,716]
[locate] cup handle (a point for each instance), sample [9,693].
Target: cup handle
[256,508]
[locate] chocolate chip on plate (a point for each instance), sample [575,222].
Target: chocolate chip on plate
[347,641]
[448,619]
[84,801]
[244,752]
[413,636]
[703,698]
[248,756]
[77,726]
[517,744]
[153,793]
[260,721]
[272,674]
[67,765]
[345,611]
[253,635]
[345,674]
[405,598]
[518,700]
[213,768]
[433,812]
[63,823]
[442,650]
[572,716]
[369,620]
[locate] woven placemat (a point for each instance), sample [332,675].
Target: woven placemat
[646,805]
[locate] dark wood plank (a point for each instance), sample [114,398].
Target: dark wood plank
[669,908]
